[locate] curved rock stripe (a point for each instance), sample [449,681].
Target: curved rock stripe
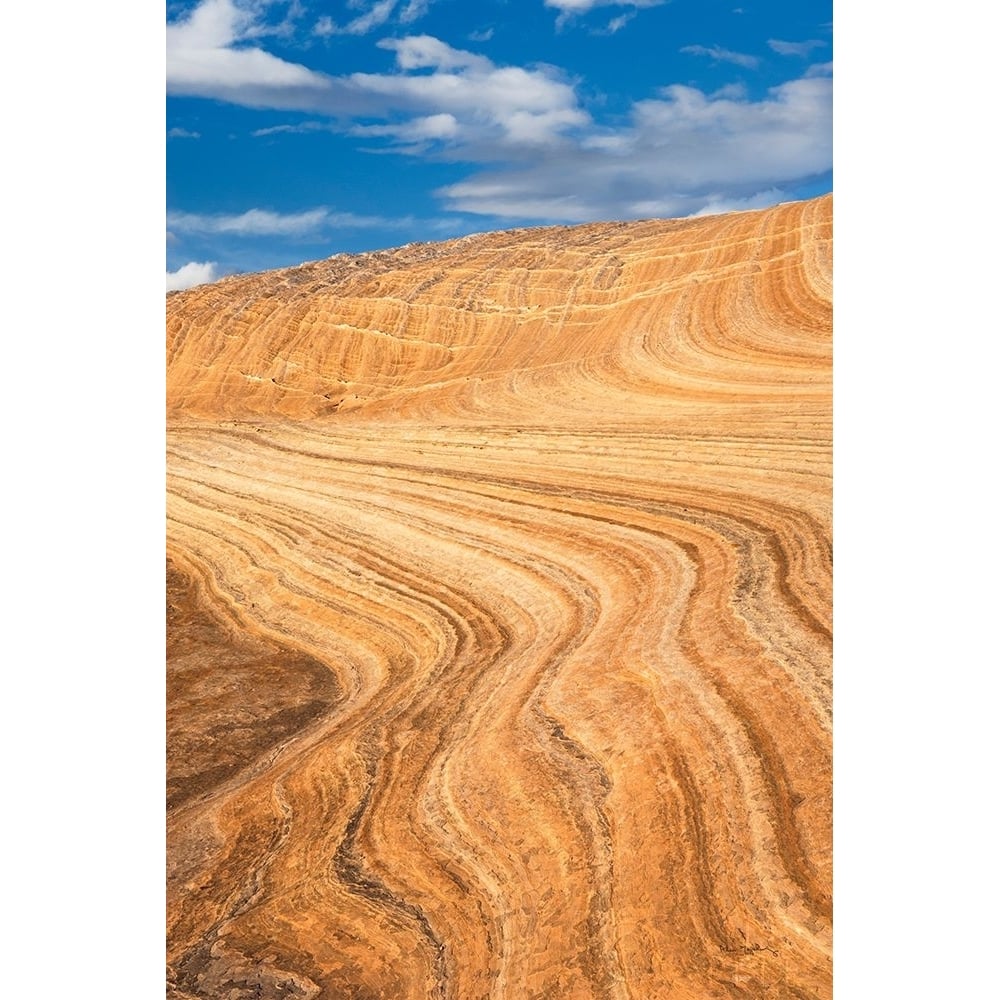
[500,618]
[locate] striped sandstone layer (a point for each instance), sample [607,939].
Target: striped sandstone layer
[499,615]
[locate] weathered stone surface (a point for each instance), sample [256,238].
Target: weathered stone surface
[500,618]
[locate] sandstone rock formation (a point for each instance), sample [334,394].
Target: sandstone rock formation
[499,613]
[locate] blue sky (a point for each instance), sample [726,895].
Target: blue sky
[300,129]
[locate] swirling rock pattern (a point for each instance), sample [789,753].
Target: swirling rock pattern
[499,615]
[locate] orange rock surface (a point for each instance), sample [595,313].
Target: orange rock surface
[499,610]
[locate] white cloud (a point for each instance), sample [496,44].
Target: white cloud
[492,104]
[260,222]
[732,91]
[201,61]
[683,152]
[722,55]
[493,96]
[794,48]
[374,17]
[481,36]
[720,204]
[350,220]
[182,133]
[441,126]
[617,23]
[292,129]
[414,10]
[285,29]
[786,135]
[481,86]
[583,6]
[255,222]
[820,69]
[568,9]
[539,128]
[191,274]
[259,133]
[427,52]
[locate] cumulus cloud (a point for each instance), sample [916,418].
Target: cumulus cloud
[195,273]
[260,222]
[182,133]
[794,48]
[722,55]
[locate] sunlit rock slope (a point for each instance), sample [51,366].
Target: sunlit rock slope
[499,604]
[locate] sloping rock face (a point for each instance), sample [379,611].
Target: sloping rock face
[499,611]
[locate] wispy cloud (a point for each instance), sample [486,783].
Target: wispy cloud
[374,17]
[414,10]
[720,204]
[569,9]
[481,36]
[195,273]
[617,23]
[182,133]
[293,129]
[261,222]
[722,55]
[683,152]
[427,52]
[255,222]
[284,29]
[820,69]
[583,6]
[794,48]
[442,126]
